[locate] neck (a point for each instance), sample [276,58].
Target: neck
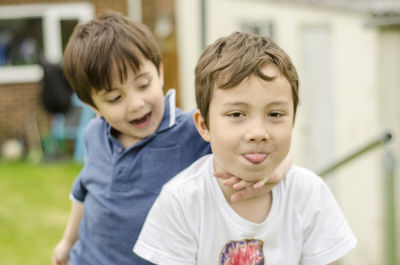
[254,209]
[126,141]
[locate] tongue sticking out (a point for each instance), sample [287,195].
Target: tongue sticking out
[256,157]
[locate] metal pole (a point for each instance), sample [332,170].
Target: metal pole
[390,207]
[373,144]
[203,13]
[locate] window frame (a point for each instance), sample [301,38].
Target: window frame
[51,15]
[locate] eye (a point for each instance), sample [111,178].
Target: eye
[236,114]
[276,114]
[145,84]
[114,99]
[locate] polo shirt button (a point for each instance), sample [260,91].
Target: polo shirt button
[119,150]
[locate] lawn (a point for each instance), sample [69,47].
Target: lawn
[34,208]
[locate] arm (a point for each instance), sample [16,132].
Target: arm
[246,190]
[71,233]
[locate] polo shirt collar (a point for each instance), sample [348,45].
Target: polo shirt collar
[169,117]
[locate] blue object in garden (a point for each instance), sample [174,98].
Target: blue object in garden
[71,125]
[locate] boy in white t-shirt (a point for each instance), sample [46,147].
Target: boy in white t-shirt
[247,94]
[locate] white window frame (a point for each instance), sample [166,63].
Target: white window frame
[51,15]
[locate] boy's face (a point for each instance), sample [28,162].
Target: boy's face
[134,108]
[250,125]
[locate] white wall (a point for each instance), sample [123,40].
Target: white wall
[356,114]
[189,47]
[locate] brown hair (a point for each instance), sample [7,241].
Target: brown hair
[229,60]
[98,46]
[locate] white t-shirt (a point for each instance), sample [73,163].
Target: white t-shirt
[192,223]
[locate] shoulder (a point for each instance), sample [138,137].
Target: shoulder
[185,134]
[304,178]
[192,180]
[95,134]
[300,186]
[95,126]
[184,118]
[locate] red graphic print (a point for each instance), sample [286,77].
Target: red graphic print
[243,252]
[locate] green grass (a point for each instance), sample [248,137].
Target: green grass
[34,208]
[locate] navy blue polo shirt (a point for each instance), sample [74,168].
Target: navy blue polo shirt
[118,186]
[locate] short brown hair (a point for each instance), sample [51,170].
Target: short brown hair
[229,60]
[110,40]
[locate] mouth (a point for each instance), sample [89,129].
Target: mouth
[255,158]
[142,122]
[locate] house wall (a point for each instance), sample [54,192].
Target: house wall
[19,100]
[352,85]
[18,103]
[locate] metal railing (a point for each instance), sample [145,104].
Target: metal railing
[389,186]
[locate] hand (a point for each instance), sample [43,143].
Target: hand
[277,175]
[61,253]
[246,189]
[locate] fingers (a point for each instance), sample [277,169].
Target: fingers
[223,175]
[55,261]
[242,184]
[260,184]
[230,180]
[240,195]
[276,176]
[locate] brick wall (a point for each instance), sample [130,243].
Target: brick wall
[116,5]
[20,108]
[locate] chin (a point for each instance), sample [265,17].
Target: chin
[256,176]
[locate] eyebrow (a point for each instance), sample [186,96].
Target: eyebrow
[104,92]
[235,104]
[141,75]
[279,103]
[273,103]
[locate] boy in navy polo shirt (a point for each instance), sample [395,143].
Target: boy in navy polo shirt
[138,143]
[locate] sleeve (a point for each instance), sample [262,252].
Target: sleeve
[78,192]
[167,237]
[327,235]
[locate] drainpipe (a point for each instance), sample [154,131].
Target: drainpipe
[203,24]
[390,206]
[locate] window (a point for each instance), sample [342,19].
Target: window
[27,30]
[20,41]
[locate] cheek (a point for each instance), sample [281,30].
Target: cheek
[284,136]
[224,142]
[114,115]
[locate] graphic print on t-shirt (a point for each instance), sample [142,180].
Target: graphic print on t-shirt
[243,252]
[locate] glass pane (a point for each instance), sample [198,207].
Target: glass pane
[20,41]
[67,27]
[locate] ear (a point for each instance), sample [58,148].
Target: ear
[201,125]
[161,75]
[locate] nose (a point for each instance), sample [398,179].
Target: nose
[258,132]
[134,102]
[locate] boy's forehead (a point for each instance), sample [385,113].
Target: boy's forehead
[121,72]
[278,83]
